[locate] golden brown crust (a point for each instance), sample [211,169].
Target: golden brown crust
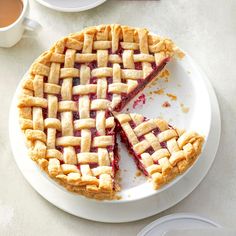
[57,64]
[164,151]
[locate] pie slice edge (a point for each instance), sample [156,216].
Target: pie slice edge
[160,151]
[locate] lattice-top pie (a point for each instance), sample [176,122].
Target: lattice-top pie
[159,150]
[65,103]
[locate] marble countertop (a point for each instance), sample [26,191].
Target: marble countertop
[206,30]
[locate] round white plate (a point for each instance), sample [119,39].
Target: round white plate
[180,221]
[71,5]
[139,200]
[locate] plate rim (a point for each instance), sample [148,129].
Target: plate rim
[68,9]
[176,216]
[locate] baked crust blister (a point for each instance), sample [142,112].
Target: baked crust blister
[63,104]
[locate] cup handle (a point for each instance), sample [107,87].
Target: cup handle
[31,25]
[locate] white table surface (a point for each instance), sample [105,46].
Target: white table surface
[206,30]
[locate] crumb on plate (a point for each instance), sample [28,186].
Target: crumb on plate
[166,104]
[138,173]
[180,54]
[159,91]
[172,96]
[118,197]
[164,74]
[184,109]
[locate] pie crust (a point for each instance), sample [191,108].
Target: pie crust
[65,103]
[160,151]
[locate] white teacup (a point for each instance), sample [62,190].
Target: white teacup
[11,34]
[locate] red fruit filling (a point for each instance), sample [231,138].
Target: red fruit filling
[140,100]
[125,99]
[142,84]
[129,146]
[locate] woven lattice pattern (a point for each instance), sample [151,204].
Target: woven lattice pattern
[161,151]
[63,105]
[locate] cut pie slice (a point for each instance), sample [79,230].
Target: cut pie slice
[63,104]
[160,151]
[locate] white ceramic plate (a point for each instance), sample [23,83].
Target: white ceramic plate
[179,221]
[71,5]
[192,89]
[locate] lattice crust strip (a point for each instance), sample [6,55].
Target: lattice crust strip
[63,104]
[162,152]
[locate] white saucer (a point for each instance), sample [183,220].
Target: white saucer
[138,199]
[71,5]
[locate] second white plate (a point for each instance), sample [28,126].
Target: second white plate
[71,5]
[139,200]
[179,221]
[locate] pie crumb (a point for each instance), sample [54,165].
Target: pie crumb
[159,91]
[138,173]
[166,104]
[184,109]
[117,197]
[172,96]
[180,54]
[164,74]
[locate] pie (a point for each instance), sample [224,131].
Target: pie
[66,102]
[160,151]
